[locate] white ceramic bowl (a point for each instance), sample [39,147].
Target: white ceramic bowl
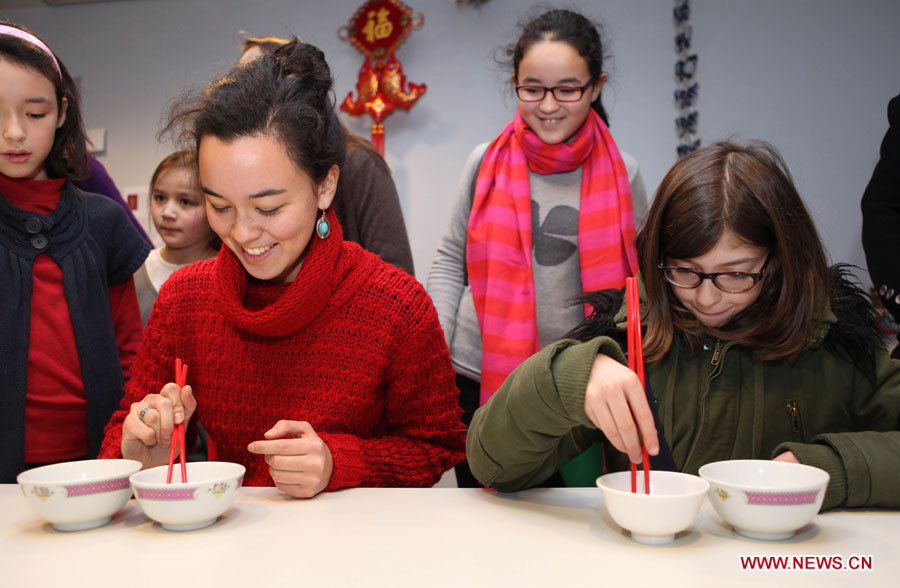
[653,518]
[209,491]
[78,495]
[765,499]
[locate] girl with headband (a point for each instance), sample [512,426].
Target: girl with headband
[68,310]
[313,362]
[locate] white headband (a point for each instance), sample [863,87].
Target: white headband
[25,36]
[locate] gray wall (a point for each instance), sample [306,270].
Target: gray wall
[812,76]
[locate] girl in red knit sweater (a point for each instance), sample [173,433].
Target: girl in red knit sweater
[312,362]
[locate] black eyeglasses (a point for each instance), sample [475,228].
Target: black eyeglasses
[731,282]
[560,93]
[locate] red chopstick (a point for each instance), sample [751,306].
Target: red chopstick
[629,306]
[636,363]
[178,433]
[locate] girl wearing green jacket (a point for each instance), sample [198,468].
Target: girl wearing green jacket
[754,349]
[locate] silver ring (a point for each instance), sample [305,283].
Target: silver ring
[143,413]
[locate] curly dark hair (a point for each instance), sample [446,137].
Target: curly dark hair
[286,95]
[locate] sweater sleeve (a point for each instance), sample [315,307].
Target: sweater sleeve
[447,276]
[423,434]
[638,189]
[535,423]
[372,199]
[863,464]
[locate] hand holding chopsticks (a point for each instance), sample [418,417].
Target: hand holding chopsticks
[616,403]
[148,431]
[178,433]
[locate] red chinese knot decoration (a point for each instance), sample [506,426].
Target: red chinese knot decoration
[377,29]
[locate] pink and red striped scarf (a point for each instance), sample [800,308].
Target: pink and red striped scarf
[498,250]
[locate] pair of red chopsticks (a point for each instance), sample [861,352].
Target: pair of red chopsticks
[178,433]
[636,363]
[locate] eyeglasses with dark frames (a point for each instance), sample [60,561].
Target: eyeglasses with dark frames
[560,93]
[731,282]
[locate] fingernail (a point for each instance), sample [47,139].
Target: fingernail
[179,418]
[251,448]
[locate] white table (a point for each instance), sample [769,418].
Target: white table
[370,537]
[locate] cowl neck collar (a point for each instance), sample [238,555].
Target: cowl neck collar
[278,310]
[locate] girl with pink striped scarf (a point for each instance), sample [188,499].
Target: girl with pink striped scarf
[545,213]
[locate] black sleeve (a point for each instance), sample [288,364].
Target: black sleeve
[881,216]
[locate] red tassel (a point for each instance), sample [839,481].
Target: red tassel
[378,138]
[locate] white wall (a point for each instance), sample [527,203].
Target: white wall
[812,76]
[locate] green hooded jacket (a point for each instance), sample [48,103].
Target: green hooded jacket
[720,404]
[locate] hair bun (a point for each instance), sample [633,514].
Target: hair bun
[306,62]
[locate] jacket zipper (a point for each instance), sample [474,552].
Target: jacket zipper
[715,357]
[796,423]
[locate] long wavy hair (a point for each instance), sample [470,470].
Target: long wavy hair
[748,191]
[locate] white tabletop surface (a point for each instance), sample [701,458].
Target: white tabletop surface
[371,537]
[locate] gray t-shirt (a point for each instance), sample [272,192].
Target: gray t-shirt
[557,272]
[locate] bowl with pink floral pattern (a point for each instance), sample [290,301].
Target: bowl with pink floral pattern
[764,499]
[210,489]
[78,495]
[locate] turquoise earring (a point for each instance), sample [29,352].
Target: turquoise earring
[323,227]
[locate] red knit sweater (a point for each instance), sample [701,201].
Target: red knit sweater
[353,346]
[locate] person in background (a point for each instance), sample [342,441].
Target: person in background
[544,213]
[753,347]
[178,211]
[881,219]
[366,203]
[98,181]
[312,362]
[68,313]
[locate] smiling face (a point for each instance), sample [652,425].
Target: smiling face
[29,118]
[550,64]
[261,205]
[713,307]
[178,210]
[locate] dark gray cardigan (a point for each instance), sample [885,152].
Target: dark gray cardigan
[96,246]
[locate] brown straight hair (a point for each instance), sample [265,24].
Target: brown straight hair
[747,190]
